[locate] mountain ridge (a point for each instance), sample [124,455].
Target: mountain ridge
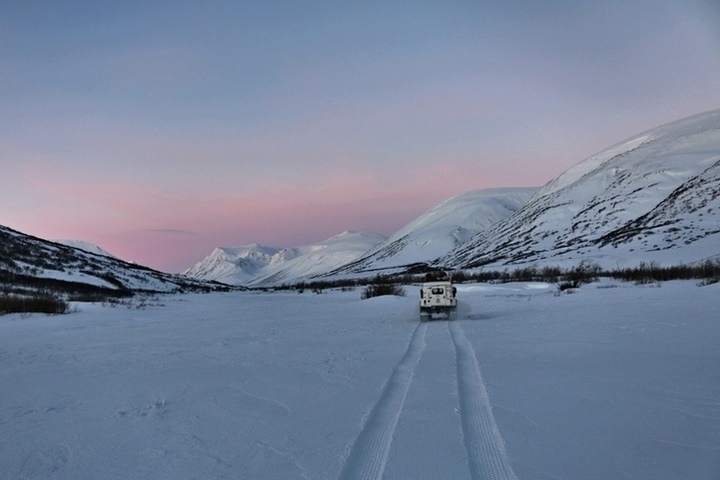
[255,264]
[654,197]
[86,246]
[647,194]
[440,229]
[28,263]
[434,233]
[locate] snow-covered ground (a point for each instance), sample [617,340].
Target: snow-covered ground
[612,381]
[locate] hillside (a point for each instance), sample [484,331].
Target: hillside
[652,198]
[440,230]
[433,234]
[29,264]
[87,246]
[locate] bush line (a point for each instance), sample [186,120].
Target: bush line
[707,272]
[36,303]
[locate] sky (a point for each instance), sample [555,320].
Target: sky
[160,130]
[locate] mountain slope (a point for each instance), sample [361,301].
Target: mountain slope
[28,263]
[313,260]
[260,265]
[654,197]
[441,229]
[87,246]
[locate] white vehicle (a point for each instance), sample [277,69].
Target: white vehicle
[437,298]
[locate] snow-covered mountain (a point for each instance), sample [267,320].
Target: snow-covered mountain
[654,197]
[87,246]
[440,230]
[260,265]
[234,265]
[29,263]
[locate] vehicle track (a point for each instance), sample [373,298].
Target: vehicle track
[484,444]
[369,453]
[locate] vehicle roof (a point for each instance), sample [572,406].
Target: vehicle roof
[437,284]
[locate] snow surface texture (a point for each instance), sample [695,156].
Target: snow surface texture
[613,381]
[654,197]
[260,265]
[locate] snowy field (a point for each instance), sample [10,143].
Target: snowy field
[615,381]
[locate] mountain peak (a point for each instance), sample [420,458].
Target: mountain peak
[259,265]
[441,229]
[85,246]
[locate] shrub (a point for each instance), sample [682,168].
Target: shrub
[644,273]
[36,303]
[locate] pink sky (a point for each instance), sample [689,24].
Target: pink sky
[159,134]
[169,230]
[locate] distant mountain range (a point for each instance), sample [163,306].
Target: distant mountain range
[257,264]
[352,254]
[438,231]
[652,198]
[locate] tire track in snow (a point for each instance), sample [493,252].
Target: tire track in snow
[370,451]
[483,442]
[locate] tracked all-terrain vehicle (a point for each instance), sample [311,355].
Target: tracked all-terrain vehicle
[438,298]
